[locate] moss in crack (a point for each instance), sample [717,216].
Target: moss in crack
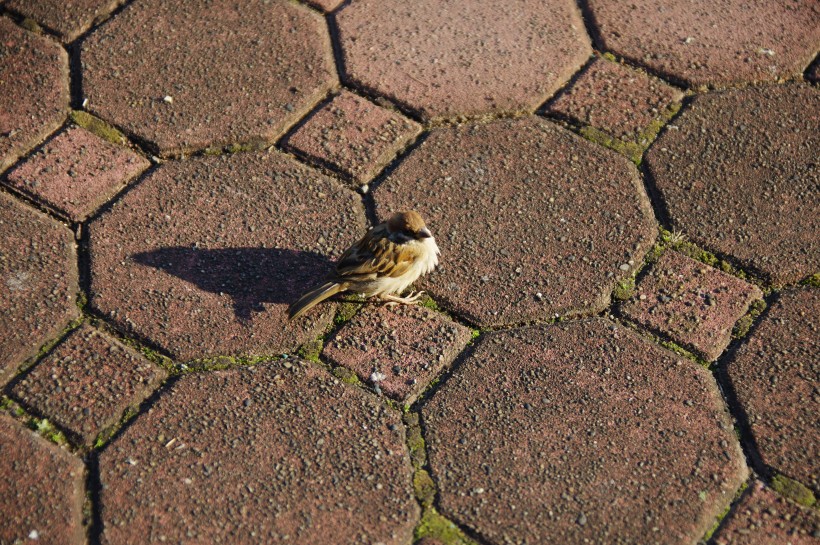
[31,25]
[428,302]
[813,281]
[424,488]
[347,376]
[624,289]
[632,150]
[41,426]
[743,325]
[435,526]
[105,436]
[345,311]
[793,490]
[97,126]
[415,440]
[310,350]
[722,515]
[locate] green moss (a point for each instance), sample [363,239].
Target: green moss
[743,325]
[813,281]
[723,513]
[424,488]
[46,429]
[624,289]
[632,150]
[97,126]
[345,311]
[428,302]
[415,440]
[610,57]
[31,25]
[105,436]
[347,376]
[311,349]
[435,526]
[793,490]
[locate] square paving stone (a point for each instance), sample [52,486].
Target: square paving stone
[616,99]
[76,172]
[87,382]
[694,304]
[401,348]
[354,136]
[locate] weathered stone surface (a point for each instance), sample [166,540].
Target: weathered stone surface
[256,454]
[325,5]
[191,74]
[765,518]
[67,19]
[615,99]
[691,302]
[204,256]
[739,175]
[354,136]
[38,282]
[702,42]
[403,347]
[532,221]
[775,375]
[87,382]
[446,60]
[581,433]
[34,100]
[41,489]
[76,172]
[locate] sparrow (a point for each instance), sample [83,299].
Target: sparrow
[383,263]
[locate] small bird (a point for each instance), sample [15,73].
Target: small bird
[390,257]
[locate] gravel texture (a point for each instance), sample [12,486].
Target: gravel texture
[708,42]
[204,256]
[352,135]
[738,174]
[404,347]
[581,433]
[533,222]
[453,59]
[775,375]
[694,304]
[67,19]
[191,74]
[41,489]
[615,99]
[87,382]
[76,172]
[34,100]
[38,282]
[280,452]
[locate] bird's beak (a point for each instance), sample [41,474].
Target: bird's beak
[425,233]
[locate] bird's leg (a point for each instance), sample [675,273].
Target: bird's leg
[411,299]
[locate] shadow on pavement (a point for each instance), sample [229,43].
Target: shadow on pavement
[250,276]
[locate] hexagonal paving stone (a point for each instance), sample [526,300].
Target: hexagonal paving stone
[581,433]
[38,282]
[279,452]
[765,518]
[775,375]
[741,42]
[34,101]
[408,346]
[738,175]
[203,256]
[76,172]
[615,99]
[191,74]
[354,136]
[693,303]
[67,19]
[444,60]
[41,489]
[87,382]
[532,221]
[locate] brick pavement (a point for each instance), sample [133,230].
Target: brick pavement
[618,190]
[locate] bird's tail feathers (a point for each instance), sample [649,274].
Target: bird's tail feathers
[313,298]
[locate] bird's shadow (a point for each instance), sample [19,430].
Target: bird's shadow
[250,276]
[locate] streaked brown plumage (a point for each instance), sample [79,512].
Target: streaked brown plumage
[383,263]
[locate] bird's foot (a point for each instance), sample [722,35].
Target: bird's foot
[392,300]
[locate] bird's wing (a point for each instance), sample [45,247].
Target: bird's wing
[375,256]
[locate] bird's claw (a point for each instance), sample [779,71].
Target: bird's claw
[393,300]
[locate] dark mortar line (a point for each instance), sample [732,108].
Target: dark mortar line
[100,21]
[29,414]
[130,339]
[33,202]
[566,87]
[658,338]
[412,146]
[43,30]
[75,74]
[75,442]
[590,24]
[130,186]
[93,486]
[443,377]
[308,5]
[729,514]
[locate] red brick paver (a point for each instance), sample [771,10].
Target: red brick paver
[281,452]
[204,256]
[738,175]
[581,433]
[34,97]
[399,349]
[615,99]
[765,518]
[41,489]
[68,19]
[38,282]
[706,43]
[87,382]
[775,375]
[191,74]
[449,59]
[532,221]
[76,172]
[354,136]
[693,303]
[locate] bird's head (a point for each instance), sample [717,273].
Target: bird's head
[408,225]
